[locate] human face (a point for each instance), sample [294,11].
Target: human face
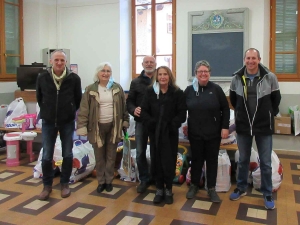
[149,64]
[251,61]
[58,61]
[203,75]
[163,77]
[104,74]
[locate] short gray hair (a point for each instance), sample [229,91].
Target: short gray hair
[99,68]
[202,63]
[58,50]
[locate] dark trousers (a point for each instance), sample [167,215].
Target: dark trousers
[49,135]
[205,150]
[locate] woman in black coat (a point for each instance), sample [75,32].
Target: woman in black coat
[163,111]
[208,121]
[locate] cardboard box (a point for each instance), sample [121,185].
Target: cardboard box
[282,125]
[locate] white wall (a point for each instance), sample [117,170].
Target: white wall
[99,30]
[259,33]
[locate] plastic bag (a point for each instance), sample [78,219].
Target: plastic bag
[277,174]
[15,109]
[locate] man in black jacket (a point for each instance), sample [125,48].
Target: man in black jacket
[137,90]
[58,93]
[255,96]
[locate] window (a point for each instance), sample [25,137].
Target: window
[285,34]
[153,33]
[11,38]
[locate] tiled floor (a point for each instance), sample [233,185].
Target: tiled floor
[19,204]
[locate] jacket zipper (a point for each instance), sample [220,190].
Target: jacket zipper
[56,107]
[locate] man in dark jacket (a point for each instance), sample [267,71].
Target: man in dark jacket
[137,90]
[255,96]
[58,93]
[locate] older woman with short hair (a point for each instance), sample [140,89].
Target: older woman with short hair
[102,116]
[208,121]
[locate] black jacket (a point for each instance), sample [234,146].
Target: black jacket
[268,100]
[136,93]
[208,113]
[58,107]
[163,116]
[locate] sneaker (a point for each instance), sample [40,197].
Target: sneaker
[269,202]
[142,187]
[214,197]
[168,196]
[192,191]
[159,196]
[236,194]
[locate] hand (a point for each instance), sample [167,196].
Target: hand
[137,111]
[185,130]
[224,133]
[124,129]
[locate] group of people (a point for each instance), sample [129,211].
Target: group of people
[159,108]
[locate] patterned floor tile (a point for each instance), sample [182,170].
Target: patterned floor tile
[146,198]
[75,186]
[31,181]
[132,218]
[285,156]
[201,205]
[251,192]
[8,174]
[295,166]
[181,222]
[33,206]
[79,213]
[296,179]
[297,196]
[256,214]
[117,191]
[7,195]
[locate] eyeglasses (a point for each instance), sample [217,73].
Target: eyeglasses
[107,71]
[202,72]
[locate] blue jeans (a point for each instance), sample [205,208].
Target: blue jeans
[141,139]
[49,135]
[264,147]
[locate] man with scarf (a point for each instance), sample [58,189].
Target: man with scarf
[58,93]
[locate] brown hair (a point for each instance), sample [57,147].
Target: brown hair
[172,80]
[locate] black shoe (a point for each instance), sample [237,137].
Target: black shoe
[168,196]
[142,187]
[214,197]
[192,191]
[109,187]
[159,196]
[101,188]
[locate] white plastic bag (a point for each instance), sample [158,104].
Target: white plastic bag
[15,109]
[223,182]
[277,174]
[38,125]
[83,161]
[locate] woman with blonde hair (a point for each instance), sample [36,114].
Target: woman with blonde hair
[163,111]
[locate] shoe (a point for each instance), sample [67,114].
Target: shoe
[236,194]
[101,188]
[192,191]
[142,187]
[214,197]
[168,196]
[159,196]
[109,187]
[269,202]
[65,190]
[44,195]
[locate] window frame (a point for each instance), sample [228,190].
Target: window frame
[288,77]
[153,35]
[4,77]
